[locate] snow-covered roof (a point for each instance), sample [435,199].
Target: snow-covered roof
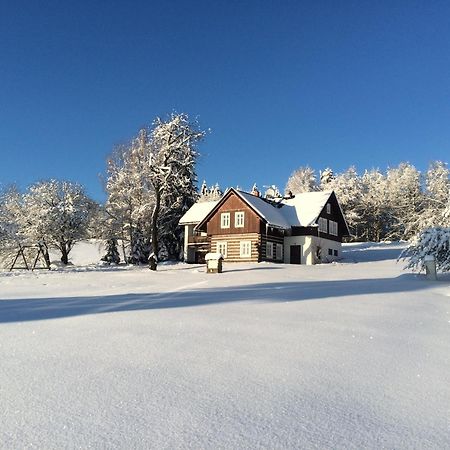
[197,212]
[271,214]
[304,209]
[301,210]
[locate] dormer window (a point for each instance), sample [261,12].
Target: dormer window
[239,219]
[328,208]
[225,220]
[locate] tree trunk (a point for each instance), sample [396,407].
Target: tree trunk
[64,253]
[155,215]
[46,253]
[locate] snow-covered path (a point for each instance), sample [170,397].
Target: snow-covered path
[349,355]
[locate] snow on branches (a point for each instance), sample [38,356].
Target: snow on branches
[52,213]
[430,242]
[151,184]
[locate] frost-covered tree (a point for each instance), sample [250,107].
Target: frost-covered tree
[130,197]
[429,242]
[348,189]
[437,196]
[57,213]
[405,201]
[112,253]
[11,223]
[326,177]
[302,180]
[210,194]
[11,211]
[173,179]
[151,183]
[374,208]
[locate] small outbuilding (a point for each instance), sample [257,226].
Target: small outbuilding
[214,262]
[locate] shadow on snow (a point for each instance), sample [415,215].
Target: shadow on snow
[18,310]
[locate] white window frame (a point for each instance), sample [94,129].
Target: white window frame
[323,225]
[333,227]
[269,250]
[279,252]
[222,245]
[225,220]
[239,218]
[245,249]
[328,208]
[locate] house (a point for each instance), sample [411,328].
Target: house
[303,229]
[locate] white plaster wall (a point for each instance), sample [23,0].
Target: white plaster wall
[326,244]
[309,249]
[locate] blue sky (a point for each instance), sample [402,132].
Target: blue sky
[280,84]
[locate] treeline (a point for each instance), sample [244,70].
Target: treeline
[391,205]
[150,184]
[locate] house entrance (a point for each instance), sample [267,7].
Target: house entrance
[296,254]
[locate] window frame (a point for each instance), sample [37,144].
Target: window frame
[237,221]
[269,255]
[245,245]
[323,225]
[328,208]
[222,243]
[225,219]
[333,228]
[279,252]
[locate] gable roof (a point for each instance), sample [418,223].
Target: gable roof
[197,212]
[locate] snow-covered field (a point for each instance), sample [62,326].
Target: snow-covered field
[349,355]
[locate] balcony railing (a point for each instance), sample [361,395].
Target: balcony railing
[198,240]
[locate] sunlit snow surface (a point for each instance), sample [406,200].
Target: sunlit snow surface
[348,355]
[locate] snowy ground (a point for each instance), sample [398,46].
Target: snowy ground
[343,356]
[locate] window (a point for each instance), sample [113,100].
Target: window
[330,251]
[323,225]
[225,220]
[269,250]
[246,249]
[336,253]
[239,219]
[328,208]
[222,248]
[279,251]
[333,228]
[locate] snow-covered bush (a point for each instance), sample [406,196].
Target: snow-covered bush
[431,241]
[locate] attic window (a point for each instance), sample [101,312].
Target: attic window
[323,225]
[239,219]
[225,220]
[333,228]
[328,208]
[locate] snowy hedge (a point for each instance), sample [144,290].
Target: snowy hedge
[431,241]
